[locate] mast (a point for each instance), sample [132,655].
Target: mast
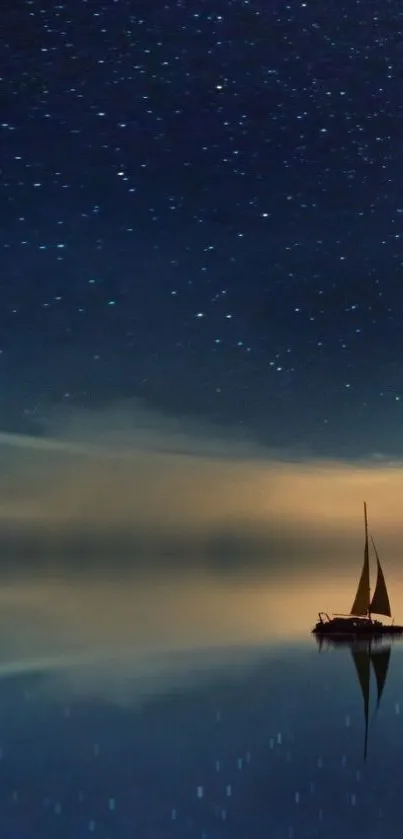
[366,555]
[361,605]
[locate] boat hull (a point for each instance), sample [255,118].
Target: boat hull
[347,628]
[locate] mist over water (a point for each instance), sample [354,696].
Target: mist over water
[99,626]
[131,614]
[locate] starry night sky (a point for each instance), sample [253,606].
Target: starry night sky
[202,207]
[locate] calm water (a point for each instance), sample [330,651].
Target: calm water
[223,743]
[112,727]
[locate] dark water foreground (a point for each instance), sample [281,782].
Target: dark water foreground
[264,743]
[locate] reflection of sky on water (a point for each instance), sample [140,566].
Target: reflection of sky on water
[228,743]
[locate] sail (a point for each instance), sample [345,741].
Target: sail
[361,602]
[380,663]
[361,658]
[380,601]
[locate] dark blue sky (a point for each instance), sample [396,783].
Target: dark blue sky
[202,206]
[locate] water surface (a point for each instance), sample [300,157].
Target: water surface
[109,731]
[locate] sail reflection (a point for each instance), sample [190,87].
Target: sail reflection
[368,655]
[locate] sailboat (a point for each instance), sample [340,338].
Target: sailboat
[360,621]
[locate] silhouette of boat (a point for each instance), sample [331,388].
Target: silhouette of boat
[366,653]
[360,623]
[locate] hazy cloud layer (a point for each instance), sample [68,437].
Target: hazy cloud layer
[130,482]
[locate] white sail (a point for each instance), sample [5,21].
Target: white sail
[361,601]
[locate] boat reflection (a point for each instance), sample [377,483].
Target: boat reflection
[371,654]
